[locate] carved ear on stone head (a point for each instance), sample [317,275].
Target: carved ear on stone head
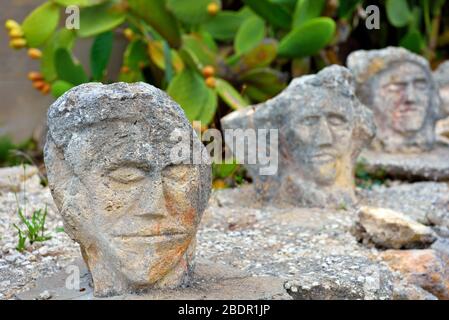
[58,171]
[66,188]
[365,128]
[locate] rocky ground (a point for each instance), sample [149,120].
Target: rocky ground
[316,253]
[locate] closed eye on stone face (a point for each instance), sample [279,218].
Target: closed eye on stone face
[177,172]
[309,120]
[421,84]
[336,119]
[127,174]
[396,86]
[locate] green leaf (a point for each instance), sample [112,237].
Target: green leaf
[196,46]
[156,51]
[306,10]
[308,38]
[260,56]
[398,12]
[155,13]
[274,13]
[67,69]
[223,170]
[229,95]
[413,41]
[135,55]
[98,19]
[168,62]
[191,12]
[208,40]
[347,8]
[249,35]
[63,38]
[190,91]
[100,54]
[79,3]
[59,87]
[268,80]
[256,94]
[40,24]
[210,107]
[131,76]
[224,25]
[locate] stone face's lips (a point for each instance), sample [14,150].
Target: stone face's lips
[139,235]
[322,157]
[152,232]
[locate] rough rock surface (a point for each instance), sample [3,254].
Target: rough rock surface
[399,87]
[387,228]
[427,269]
[130,192]
[431,165]
[425,202]
[341,278]
[320,127]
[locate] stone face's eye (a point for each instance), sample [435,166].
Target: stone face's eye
[421,84]
[127,174]
[310,120]
[336,120]
[396,87]
[178,172]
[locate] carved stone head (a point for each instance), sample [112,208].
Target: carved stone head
[322,129]
[441,76]
[132,208]
[398,86]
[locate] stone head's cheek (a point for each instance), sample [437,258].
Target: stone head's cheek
[343,138]
[112,199]
[302,135]
[178,197]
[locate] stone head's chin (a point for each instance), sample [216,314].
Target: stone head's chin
[409,123]
[324,173]
[145,263]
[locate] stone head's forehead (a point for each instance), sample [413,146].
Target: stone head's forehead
[121,142]
[89,104]
[321,101]
[404,72]
[366,64]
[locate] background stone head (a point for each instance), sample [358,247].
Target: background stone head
[131,207]
[322,129]
[398,86]
[441,76]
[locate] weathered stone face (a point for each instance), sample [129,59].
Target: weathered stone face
[131,207]
[319,135]
[398,86]
[322,129]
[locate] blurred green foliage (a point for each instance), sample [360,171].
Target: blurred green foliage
[12,154]
[215,56]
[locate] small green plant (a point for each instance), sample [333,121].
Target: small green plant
[228,175]
[366,179]
[12,154]
[35,228]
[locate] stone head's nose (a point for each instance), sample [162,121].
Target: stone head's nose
[323,137]
[152,202]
